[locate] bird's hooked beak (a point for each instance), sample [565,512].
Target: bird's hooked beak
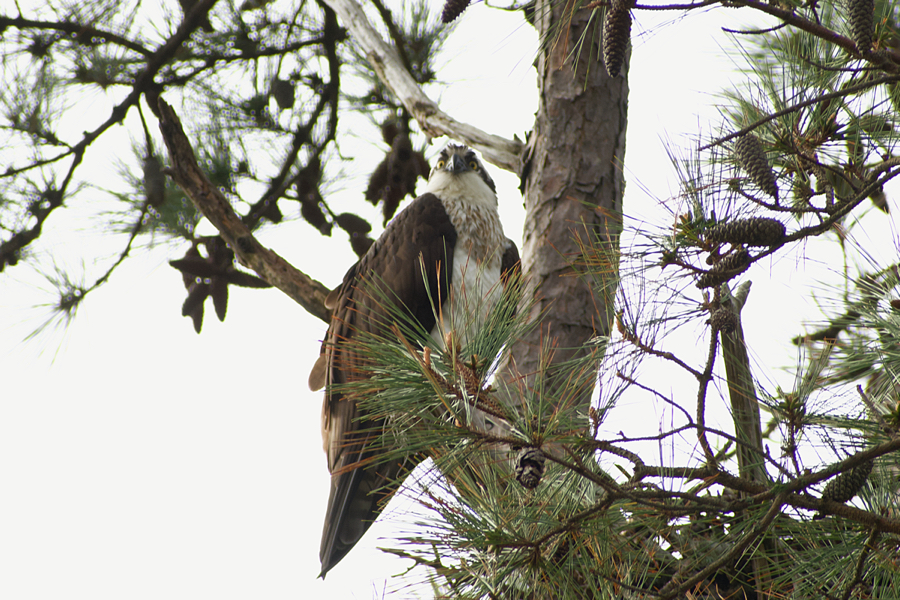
[456,164]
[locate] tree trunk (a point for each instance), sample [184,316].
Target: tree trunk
[573,179]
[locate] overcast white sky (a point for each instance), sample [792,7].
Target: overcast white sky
[141,460]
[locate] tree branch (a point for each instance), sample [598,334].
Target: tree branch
[672,590]
[704,380]
[396,36]
[884,61]
[329,98]
[79,30]
[744,412]
[307,292]
[742,391]
[433,121]
[9,249]
[861,563]
[852,89]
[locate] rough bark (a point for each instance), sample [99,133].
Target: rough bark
[574,185]
[742,392]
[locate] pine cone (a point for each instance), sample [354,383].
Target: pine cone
[749,154]
[757,231]
[272,212]
[313,214]
[861,20]
[452,9]
[728,268]
[616,35]
[154,181]
[360,243]
[283,92]
[723,320]
[847,485]
[879,199]
[529,467]
[352,223]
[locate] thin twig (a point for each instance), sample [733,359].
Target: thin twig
[794,210]
[671,403]
[634,339]
[705,379]
[717,432]
[861,563]
[604,446]
[736,550]
[135,230]
[394,31]
[792,18]
[795,107]
[691,6]
[155,62]
[876,414]
[80,30]
[755,31]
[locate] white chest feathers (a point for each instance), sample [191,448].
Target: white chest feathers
[475,285]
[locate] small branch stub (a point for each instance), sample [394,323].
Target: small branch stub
[529,467]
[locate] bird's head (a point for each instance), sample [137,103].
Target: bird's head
[458,168]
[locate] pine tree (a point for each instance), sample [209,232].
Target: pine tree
[538,491]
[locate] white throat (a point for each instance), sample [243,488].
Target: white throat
[464,187]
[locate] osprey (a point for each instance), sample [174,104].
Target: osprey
[445,260]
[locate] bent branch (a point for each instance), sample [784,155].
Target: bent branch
[305,291]
[434,122]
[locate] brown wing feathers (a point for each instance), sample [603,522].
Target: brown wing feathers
[359,485]
[510,264]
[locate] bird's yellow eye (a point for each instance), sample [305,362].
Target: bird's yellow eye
[441,163]
[473,165]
